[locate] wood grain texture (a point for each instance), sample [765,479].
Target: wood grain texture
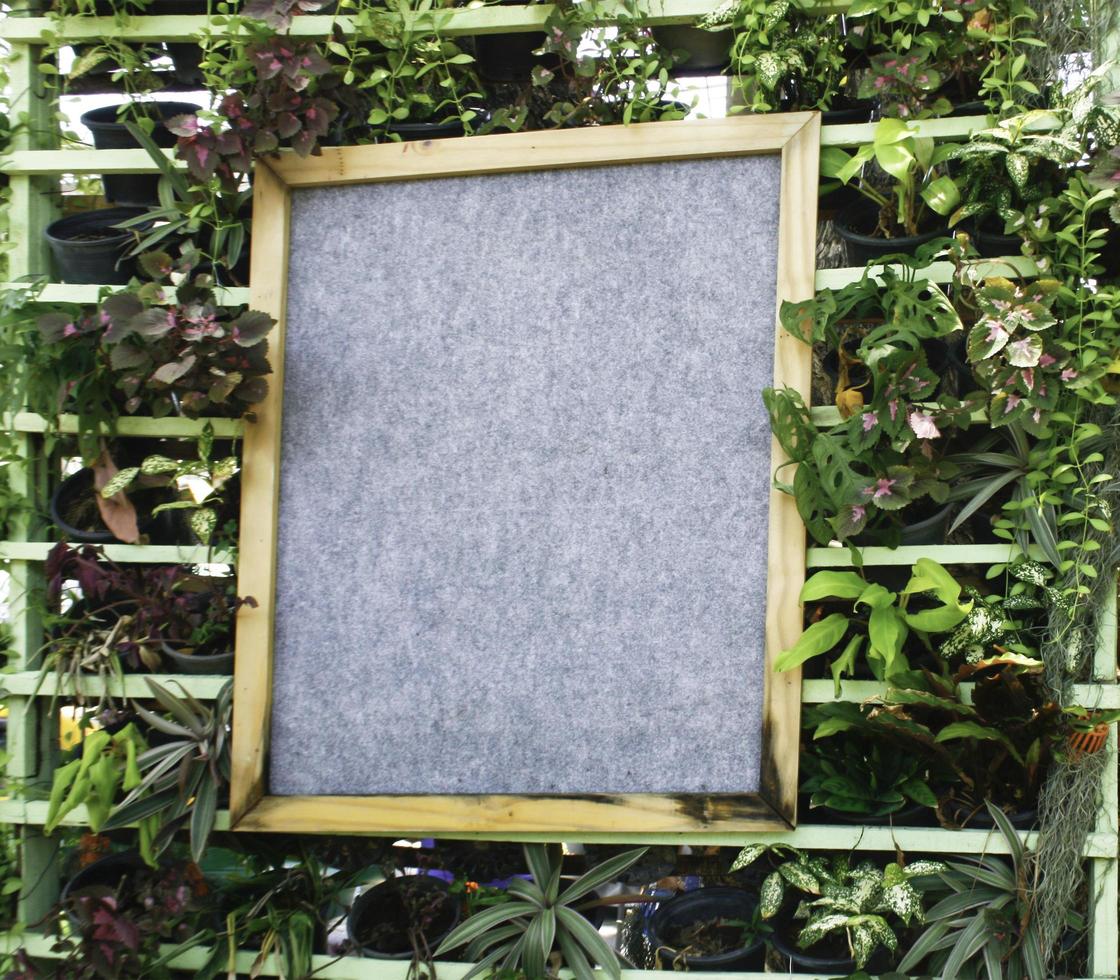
[785,572]
[796,137]
[260,488]
[554,149]
[635,813]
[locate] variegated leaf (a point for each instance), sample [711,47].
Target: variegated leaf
[747,856]
[800,877]
[771,895]
[120,481]
[816,929]
[154,465]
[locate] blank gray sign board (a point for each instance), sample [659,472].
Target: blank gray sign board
[525,479]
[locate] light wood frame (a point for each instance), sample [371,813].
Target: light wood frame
[796,137]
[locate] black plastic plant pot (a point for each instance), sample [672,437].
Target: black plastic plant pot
[847,111]
[914,815]
[671,923]
[107,872]
[992,244]
[73,510]
[509,57]
[708,51]
[87,248]
[178,662]
[380,918]
[819,961]
[855,226]
[967,815]
[110,133]
[411,132]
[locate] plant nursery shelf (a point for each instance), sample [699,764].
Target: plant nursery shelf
[946,554]
[912,840]
[66,292]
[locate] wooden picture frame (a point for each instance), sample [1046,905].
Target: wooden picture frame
[796,137]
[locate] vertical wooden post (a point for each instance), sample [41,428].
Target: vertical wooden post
[32,737]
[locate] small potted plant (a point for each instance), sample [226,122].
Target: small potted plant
[876,629]
[109,126]
[831,917]
[866,781]
[911,210]
[91,246]
[402,918]
[709,929]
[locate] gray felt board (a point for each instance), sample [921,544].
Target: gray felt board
[524,485]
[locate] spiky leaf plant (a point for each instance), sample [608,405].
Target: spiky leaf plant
[521,933]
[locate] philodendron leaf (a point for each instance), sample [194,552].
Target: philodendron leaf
[817,639]
[941,195]
[835,585]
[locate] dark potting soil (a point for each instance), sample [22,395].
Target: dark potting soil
[95,236]
[710,937]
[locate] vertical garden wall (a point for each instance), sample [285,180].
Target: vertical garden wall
[956,472]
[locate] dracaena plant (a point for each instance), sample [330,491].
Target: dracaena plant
[169,347]
[780,55]
[865,904]
[1003,169]
[983,927]
[179,779]
[200,483]
[880,622]
[918,187]
[521,933]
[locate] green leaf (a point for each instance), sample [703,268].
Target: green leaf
[771,895]
[830,584]
[601,874]
[817,639]
[584,933]
[119,482]
[482,921]
[941,195]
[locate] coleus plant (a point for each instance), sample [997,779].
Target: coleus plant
[902,82]
[880,622]
[168,345]
[865,904]
[1015,355]
[279,106]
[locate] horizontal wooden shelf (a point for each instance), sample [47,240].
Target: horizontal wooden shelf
[207,686]
[824,692]
[941,272]
[831,837]
[156,554]
[350,967]
[946,554]
[70,292]
[464,21]
[129,425]
[137,161]
[24,683]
